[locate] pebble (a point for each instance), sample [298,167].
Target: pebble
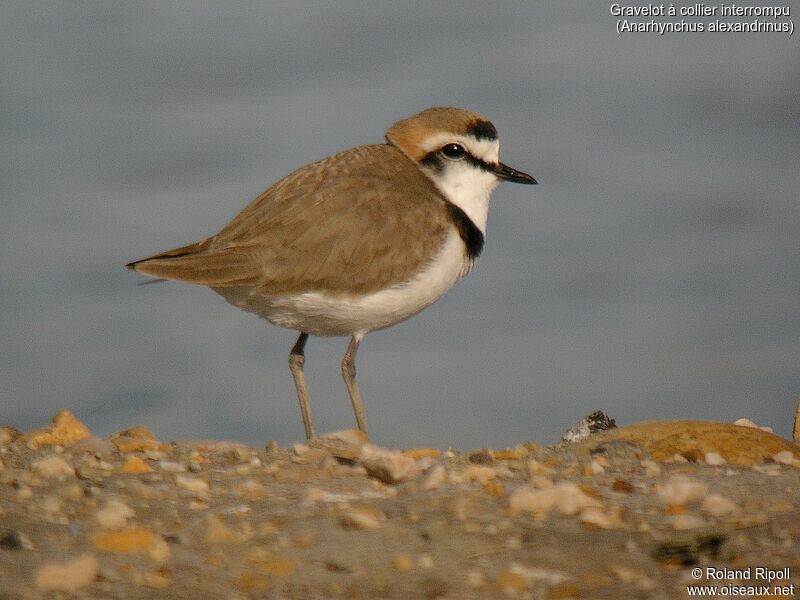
[8,434]
[195,485]
[67,576]
[593,516]
[680,489]
[64,429]
[269,562]
[114,515]
[683,522]
[135,539]
[565,497]
[753,425]
[53,467]
[714,458]
[622,486]
[403,563]
[435,478]
[786,457]
[15,540]
[479,473]
[362,518]
[717,505]
[171,466]
[629,575]
[135,465]
[100,448]
[388,466]
[217,532]
[651,468]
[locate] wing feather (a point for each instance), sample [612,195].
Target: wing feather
[338,225]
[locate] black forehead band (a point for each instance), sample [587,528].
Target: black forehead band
[482,130]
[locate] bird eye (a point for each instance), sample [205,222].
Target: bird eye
[453,151]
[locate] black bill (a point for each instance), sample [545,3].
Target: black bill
[507,173]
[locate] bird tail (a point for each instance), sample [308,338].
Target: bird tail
[199,264]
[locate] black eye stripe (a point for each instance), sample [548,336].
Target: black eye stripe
[434,161]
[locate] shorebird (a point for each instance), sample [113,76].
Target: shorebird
[358,241]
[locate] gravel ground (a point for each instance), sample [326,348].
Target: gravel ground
[630,512]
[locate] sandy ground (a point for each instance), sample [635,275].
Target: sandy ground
[642,511]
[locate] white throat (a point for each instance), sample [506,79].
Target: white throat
[469,188]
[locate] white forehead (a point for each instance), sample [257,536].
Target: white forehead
[486,150]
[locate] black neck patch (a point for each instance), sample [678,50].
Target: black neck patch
[472,237]
[482,130]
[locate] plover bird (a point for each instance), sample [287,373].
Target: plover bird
[357,241]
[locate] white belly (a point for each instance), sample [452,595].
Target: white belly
[320,314]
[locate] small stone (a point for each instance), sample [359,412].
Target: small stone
[156,581]
[250,489]
[589,425]
[565,497]
[136,540]
[714,458]
[388,466]
[751,424]
[679,489]
[270,563]
[195,485]
[745,423]
[511,582]
[786,457]
[52,507]
[135,465]
[481,457]
[139,432]
[683,522]
[96,446]
[651,468]
[592,516]
[53,467]
[300,448]
[475,578]
[594,468]
[127,445]
[518,452]
[435,478]
[171,466]
[536,467]
[305,539]
[479,473]
[403,563]
[425,561]
[217,532]
[15,540]
[64,430]
[622,486]
[494,488]
[362,518]
[9,434]
[717,505]
[253,583]
[629,575]
[68,576]
[114,515]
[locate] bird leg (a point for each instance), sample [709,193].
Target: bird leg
[296,361]
[349,375]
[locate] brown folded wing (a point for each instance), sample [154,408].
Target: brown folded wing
[353,223]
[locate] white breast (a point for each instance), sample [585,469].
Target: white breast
[318,313]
